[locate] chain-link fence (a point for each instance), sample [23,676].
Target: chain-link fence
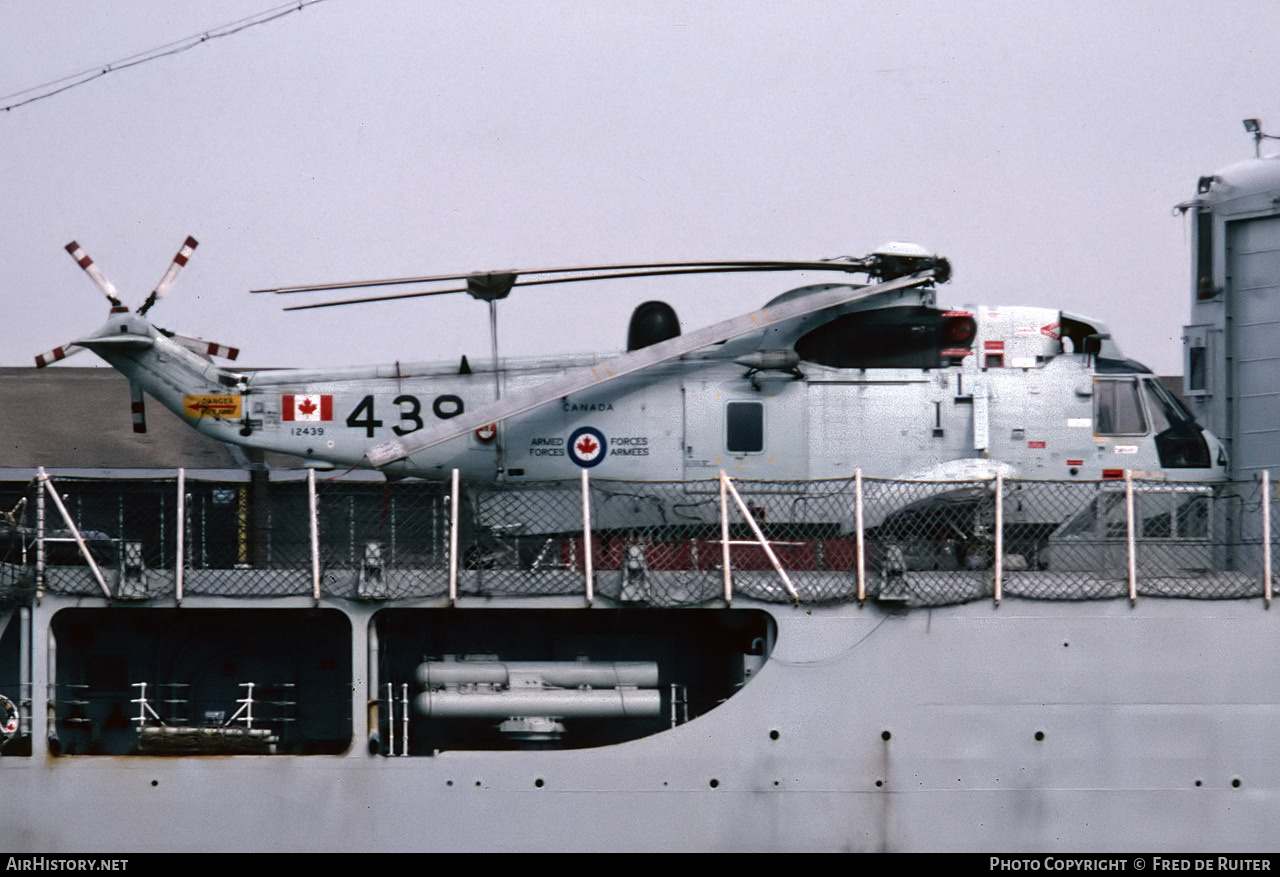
[662,544]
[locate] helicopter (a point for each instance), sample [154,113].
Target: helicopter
[821,381]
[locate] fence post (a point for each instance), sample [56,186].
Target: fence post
[313,507]
[1266,537]
[26,682]
[724,537]
[587,566]
[998,560]
[859,541]
[1131,537]
[180,536]
[453,539]
[40,534]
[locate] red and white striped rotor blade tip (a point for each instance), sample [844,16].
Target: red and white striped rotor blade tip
[166,282]
[95,274]
[57,354]
[207,348]
[137,407]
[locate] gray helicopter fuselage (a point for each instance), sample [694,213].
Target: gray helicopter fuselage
[1014,393]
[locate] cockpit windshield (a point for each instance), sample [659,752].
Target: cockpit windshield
[1164,407]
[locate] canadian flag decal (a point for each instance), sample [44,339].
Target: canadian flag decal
[310,407]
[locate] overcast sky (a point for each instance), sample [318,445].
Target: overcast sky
[1040,147]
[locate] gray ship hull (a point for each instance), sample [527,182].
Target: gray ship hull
[1028,726]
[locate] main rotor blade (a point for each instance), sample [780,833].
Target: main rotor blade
[166,282]
[846,265]
[95,274]
[613,275]
[467,275]
[589,377]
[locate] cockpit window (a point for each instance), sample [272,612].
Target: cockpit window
[1116,407]
[1160,420]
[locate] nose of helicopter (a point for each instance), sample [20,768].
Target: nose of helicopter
[1218,455]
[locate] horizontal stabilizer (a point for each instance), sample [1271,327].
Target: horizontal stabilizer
[116,342]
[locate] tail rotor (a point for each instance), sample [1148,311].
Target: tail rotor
[108,289]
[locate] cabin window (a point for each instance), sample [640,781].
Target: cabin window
[1117,409]
[744,427]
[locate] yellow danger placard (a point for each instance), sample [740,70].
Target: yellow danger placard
[211,406]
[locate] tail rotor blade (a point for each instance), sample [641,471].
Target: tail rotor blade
[138,407]
[57,354]
[95,274]
[166,282]
[203,347]
[221,350]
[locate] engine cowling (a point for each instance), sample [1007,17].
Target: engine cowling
[652,322]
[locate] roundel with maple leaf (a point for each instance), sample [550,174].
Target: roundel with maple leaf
[9,718]
[587,446]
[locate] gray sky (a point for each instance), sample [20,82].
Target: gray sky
[1041,148]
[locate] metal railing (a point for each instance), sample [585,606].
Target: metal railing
[672,543]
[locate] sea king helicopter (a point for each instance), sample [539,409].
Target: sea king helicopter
[822,381]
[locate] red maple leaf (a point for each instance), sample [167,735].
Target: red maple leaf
[306,406]
[586,446]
